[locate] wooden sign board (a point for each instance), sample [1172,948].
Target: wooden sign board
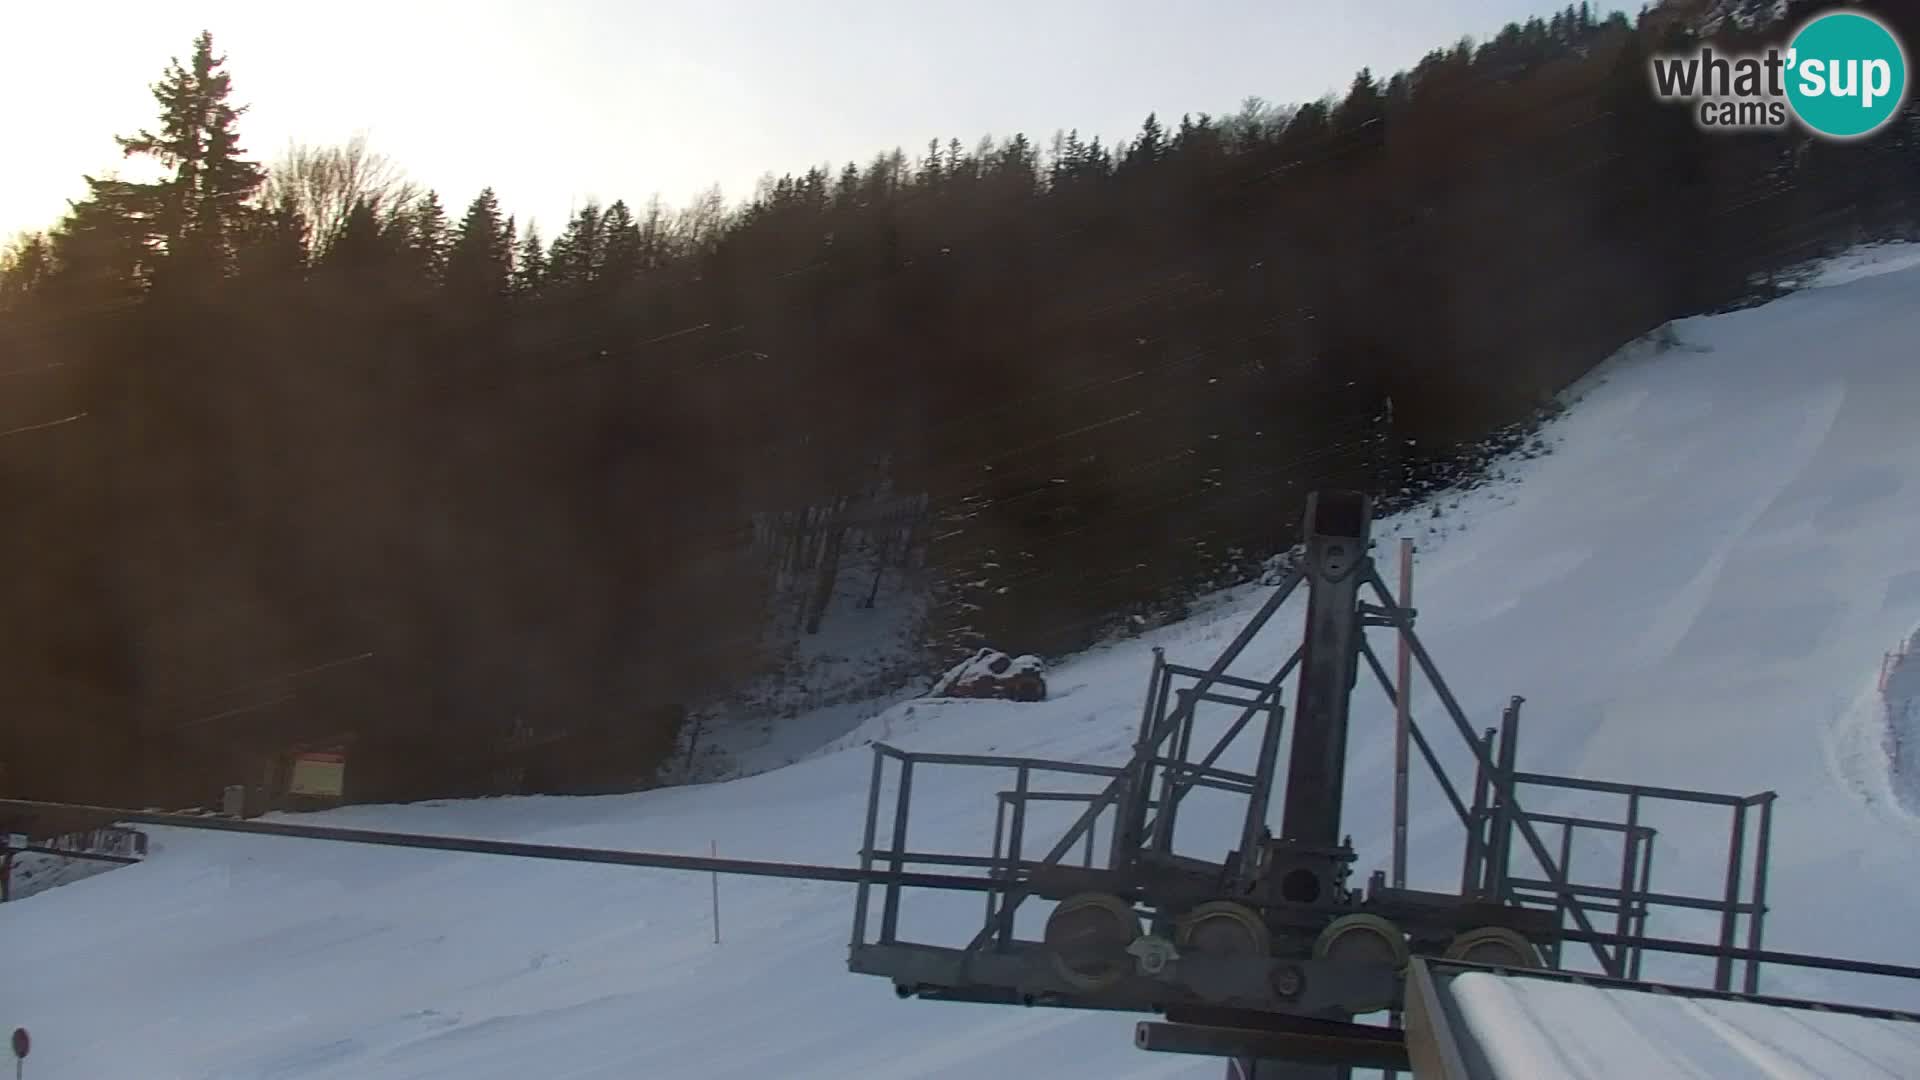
[323,775]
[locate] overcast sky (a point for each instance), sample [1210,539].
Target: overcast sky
[556,102]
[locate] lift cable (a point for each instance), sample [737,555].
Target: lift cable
[516,849]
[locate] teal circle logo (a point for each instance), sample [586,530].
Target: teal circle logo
[1847,74]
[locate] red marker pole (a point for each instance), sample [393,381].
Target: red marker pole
[1402,721]
[22,1043]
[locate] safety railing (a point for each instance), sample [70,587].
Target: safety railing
[1740,905]
[1007,866]
[1497,816]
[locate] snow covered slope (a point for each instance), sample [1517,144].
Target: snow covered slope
[1698,588]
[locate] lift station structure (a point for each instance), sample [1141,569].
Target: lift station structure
[1266,954]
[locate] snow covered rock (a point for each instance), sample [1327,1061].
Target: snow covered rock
[1276,569]
[990,673]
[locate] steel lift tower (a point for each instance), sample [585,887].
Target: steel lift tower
[1268,953]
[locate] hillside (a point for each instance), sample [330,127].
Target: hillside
[1697,588]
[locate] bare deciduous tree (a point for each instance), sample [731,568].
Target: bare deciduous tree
[697,227]
[324,183]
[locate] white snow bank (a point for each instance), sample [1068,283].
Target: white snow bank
[1900,717]
[1866,261]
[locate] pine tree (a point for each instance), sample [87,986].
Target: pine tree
[480,259]
[1363,106]
[273,243]
[621,242]
[530,266]
[427,238]
[846,189]
[580,249]
[1148,147]
[23,269]
[200,207]
[104,249]
[956,163]
[363,249]
[932,166]
[1015,169]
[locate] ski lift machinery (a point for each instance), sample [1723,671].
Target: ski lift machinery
[1267,955]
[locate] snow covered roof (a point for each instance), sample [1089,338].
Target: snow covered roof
[1465,1023]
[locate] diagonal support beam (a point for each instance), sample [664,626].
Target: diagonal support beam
[1268,694]
[1138,776]
[1419,738]
[1555,873]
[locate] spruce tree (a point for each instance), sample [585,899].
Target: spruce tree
[23,269]
[580,250]
[198,209]
[530,266]
[104,249]
[427,238]
[480,259]
[273,243]
[363,248]
[621,240]
[1148,147]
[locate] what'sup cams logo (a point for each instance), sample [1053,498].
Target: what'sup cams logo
[1843,75]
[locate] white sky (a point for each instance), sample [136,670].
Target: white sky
[554,103]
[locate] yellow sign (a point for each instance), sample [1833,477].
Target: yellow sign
[319,774]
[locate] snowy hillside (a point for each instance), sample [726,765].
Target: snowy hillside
[1698,588]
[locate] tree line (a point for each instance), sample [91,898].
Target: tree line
[295,448]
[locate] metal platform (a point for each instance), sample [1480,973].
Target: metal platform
[1272,935]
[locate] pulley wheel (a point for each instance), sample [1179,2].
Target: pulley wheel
[1087,937]
[1362,939]
[1224,928]
[1496,946]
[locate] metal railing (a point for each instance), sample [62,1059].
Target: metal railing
[1496,816]
[1006,867]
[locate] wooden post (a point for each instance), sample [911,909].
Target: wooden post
[1402,721]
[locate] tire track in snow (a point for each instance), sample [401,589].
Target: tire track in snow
[1671,623]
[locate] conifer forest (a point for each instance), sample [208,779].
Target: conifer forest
[294,447]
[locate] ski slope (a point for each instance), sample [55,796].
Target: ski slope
[1696,588]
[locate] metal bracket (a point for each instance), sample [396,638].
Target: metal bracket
[1155,955]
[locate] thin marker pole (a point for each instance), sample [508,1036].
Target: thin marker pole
[714,846]
[1402,721]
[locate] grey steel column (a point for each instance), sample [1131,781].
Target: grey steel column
[1335,565]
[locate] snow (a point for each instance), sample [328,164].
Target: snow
[1742,14]
[985,669]
[35,873]
[1697,588]
[1900,709]
[859,662]
[1556,1031]
[1866,261]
